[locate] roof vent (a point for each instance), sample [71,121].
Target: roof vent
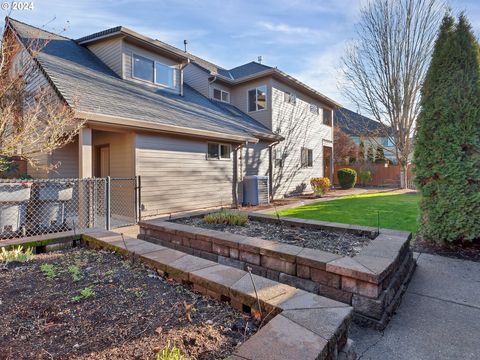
[260,59]
[185,42]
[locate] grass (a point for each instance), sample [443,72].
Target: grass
[397,211]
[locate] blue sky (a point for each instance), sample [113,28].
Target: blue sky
[304,38]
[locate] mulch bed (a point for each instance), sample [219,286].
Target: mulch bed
[131,312]
[465,251]
[345,244]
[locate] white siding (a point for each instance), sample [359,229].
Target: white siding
[301,128]
[196,78]
[177,177]
[110,52]
[129,50]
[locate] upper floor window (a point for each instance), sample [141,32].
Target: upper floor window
[327,117]
[314,109]
[306,157]
[217,151]
[387,142]
[153,71]
[257,98]
[221,95]
[290,98]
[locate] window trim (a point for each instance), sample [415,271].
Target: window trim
[221,93]
[302,165]
[256,100]
[290,98]
[219,158]
[317,112]
[155,62]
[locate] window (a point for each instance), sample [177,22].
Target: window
[327,117]
[164,74]
[257,98]
[307,157]
[153,71]
[314,109]
[387,142]
[278,155]
[142,68]
[290,98]
[216,151]
[221,95]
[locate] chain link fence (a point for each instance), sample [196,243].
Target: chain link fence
[38,207]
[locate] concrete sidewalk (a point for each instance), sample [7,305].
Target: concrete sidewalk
[439,317]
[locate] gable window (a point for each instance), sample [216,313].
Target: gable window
[142,68]
[314,109]
[327,117]
[306,157]
[290,98]
[257,98]
[153,71]
[217,151]
[164,74]
[221,95]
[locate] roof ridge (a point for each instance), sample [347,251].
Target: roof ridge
[9,19]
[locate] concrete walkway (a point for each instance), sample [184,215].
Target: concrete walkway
[439,317]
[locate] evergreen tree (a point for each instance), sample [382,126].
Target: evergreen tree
[447,143]
[380,155]
[370,154]
[361,151]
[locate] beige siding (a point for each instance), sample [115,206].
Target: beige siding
[66,161]
[196,78]
[301,128]
[110,52]
[129,50]
[220,87]
[177,177]
[239,98]
[122,162]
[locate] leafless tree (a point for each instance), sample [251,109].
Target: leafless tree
[385,67]
[33,119]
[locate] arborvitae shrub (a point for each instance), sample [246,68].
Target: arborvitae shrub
[347,178]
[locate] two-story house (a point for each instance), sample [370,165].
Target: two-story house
[191,129]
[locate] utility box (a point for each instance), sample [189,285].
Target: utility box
[255,190]
[14,198]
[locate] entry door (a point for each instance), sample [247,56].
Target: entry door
[327,161]
[104,161]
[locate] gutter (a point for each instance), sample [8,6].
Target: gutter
[94,118]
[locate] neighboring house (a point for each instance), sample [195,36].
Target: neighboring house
[363,129]
[191,129]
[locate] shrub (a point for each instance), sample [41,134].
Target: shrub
[347,178]
[320,185]
[365,176]
[226,218]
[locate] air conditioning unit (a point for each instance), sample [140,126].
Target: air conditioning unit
[255,190]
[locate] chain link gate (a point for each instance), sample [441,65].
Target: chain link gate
[43,206]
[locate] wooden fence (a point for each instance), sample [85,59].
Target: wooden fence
[381,175]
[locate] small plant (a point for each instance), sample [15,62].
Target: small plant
[226,218]
[48,270]
[75,272]
[84,294]
[170,353]
[16,254]
[320,185]
[347,178]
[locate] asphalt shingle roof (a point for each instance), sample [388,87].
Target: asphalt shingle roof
[355,124]
[86,82]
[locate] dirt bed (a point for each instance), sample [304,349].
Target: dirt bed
[85,304]
[335,242]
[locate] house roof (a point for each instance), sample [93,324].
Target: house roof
[245,72]
[354,124]
[90,86]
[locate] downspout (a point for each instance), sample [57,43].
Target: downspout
[270,168]
[211,82]
[235,175]
[183,66]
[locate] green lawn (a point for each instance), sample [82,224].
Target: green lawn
[397,211]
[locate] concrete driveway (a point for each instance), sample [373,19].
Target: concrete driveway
[439,317]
